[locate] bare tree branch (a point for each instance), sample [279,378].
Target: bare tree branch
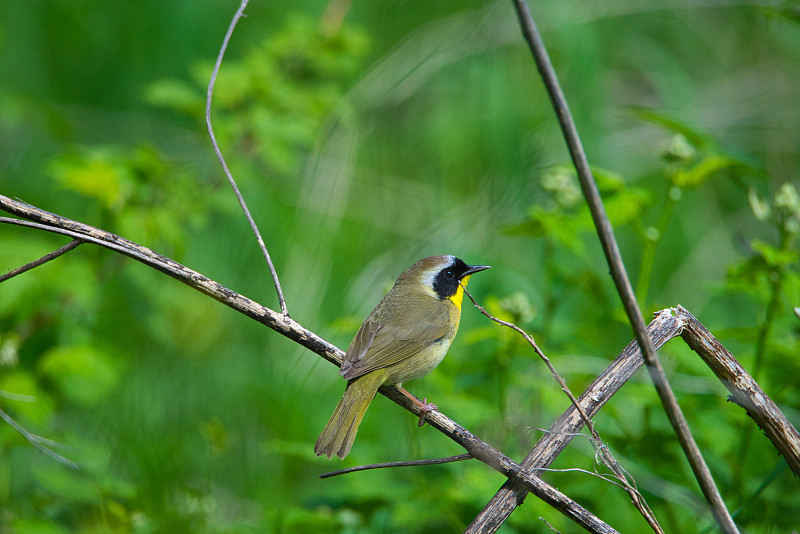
[663,328]
[602,449]
[239,14]
[408,463]
[44,259]
[618,272]
[667,324]
[295,331]
[744,390]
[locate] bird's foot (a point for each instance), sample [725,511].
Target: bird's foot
[424,409]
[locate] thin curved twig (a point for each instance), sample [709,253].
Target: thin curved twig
[239,14]
[407,463]
[39,442]
[44,259]
[618,272]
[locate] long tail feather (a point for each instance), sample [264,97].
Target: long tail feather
[340,432]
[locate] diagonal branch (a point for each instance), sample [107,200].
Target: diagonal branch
[41,261]
[618,273]
[41,444]
[295,331]
[668,323]
[664,327]
[603,451]
[745,391]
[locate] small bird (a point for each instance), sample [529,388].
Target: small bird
[405,337]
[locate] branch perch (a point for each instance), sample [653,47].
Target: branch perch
[667,324]
[290,328]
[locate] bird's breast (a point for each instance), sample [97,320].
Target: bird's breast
[422,362]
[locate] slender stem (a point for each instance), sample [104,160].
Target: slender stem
[409,463]
[37,441]
[239,14]
[618,272]
[44,259]
[651,244]
[776,277]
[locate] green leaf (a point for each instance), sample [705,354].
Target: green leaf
[94,175]
[701,172]
[84,373]
[551,224]
[608,181]
[621,208]
[660,119]
[775,257]
[37,408]
[66,484]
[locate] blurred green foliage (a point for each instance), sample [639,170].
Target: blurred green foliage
[404,131]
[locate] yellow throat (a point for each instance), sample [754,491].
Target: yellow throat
[459,294]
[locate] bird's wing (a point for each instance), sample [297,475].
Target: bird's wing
[377,345]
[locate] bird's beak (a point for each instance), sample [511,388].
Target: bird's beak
[474,269]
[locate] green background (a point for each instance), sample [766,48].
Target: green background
[407,129]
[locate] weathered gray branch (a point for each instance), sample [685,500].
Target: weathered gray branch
[44,259]
[744,390]
[667,324]
[293,330]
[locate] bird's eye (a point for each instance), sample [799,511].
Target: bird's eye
[450,274]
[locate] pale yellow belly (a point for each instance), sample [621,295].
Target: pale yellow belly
[420,364]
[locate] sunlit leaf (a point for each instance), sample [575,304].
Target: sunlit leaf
[702,171]
[95,175]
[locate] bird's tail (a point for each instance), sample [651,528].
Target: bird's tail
[340,432]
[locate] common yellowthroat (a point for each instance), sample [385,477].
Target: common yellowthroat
[405,337]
